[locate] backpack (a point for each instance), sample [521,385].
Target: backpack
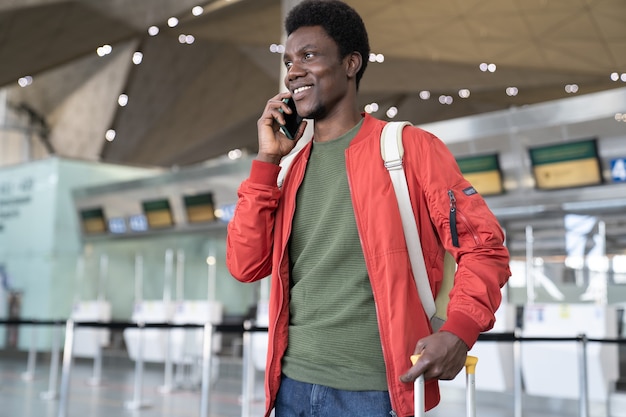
[392,151]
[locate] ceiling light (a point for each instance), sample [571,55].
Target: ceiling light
[571,88]
[464,93]
[25,81]
[511,91]
[372,57]
[235,154]
[153,30]
[122,100]
[425,94]
[623,77]
[188,39]
[172,22]
[371,108]
[484,67]
[273,48]
[137,58]
[392,112]
[104,50]
[443,99]
[614,76]
[380,58]
[197,11]
[110,135]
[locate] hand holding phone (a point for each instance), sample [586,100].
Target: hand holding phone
[292,121]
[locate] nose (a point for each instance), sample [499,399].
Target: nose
[295,71]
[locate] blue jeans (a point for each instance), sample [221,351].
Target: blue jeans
[299,399]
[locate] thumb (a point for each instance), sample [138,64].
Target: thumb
[415,371]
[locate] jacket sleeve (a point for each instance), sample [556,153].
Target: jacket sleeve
[250,232]
[467,229]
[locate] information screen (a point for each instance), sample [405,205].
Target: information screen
[566,165]
[483,172]
[199,208]
[158,213]
[93,220]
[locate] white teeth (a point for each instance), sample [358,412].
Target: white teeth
[300,89]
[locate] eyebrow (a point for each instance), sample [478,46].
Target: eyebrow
[303,48]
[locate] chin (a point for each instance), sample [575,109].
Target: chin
[318,112]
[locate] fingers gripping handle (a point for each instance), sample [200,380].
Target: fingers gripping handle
[419,399]
[470,363]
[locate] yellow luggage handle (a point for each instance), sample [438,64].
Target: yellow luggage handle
[470,363]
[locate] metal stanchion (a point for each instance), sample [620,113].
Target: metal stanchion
[207,346]
[584,391]
[517,373]
[137,403]
[67,368]
[29,375]
[54,366]
[248,372]
[97,366]
[167,386]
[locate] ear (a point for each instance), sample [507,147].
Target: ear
[353,64]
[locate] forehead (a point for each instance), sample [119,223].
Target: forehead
[309,37]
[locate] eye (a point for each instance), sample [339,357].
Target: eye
[308,55]
[288,64]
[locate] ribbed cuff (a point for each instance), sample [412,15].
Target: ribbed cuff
[463,327]
[264,173]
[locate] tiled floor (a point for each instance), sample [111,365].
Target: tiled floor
[23,398]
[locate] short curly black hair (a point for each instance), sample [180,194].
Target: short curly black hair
[342,23]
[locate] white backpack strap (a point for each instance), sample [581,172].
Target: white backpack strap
[285,163]
[392,152]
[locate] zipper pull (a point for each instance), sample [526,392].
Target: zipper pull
[453,231]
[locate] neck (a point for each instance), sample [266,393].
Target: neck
[333,126]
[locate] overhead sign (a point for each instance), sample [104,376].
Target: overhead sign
[483,172]
[571,164]
[618,169]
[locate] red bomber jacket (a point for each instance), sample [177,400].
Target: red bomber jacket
[258,235]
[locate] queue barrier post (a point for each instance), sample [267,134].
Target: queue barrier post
[96,377]
[67,368]
[205,387]
[517,373]
[247,382]
[52,392]
[583,378]
[29,374]
[168,369]
[137,402]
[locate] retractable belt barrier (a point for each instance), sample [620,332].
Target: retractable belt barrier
[246,329]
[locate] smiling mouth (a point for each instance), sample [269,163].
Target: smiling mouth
[301,89]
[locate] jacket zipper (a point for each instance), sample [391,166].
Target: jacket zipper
[392,393]
[457,215]
[453,231]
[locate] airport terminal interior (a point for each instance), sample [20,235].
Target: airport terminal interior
[126,127]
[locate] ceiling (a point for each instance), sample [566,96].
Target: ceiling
[192,102]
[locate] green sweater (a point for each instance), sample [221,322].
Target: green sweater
[333,330]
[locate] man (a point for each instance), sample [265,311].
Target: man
[344,312]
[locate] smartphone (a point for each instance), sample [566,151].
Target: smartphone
[292,121]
